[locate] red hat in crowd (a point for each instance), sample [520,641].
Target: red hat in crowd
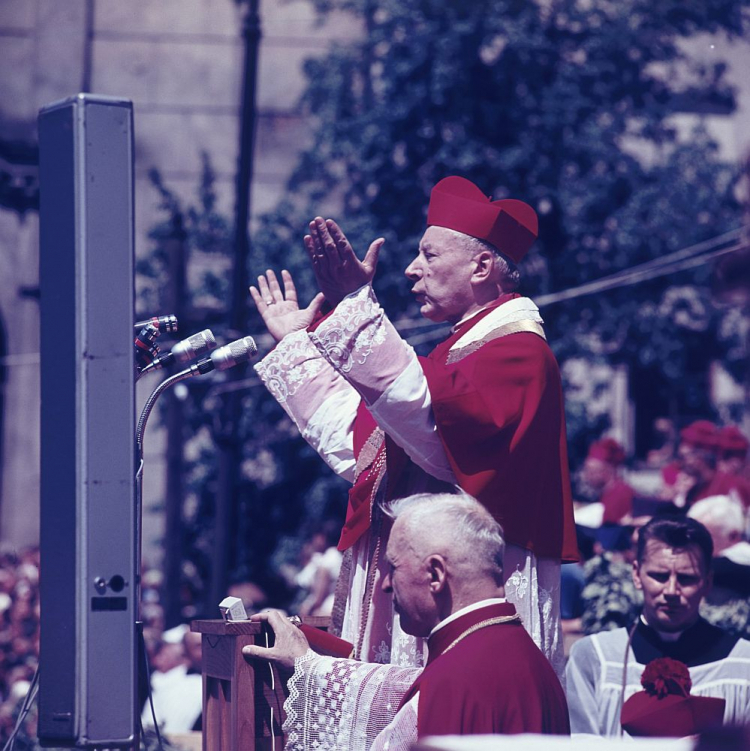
[607,450]
[510,225]
[702,434]
[732,442]
[665,707]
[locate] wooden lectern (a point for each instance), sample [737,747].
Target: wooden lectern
[243,701]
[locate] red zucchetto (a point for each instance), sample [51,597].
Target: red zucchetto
[702,434]
[732,442]
[607,450]
[510,225]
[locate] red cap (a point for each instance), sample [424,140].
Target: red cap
[665,708]
[510,225]
[732,442]
[671,716]
[701,434]
[607,450]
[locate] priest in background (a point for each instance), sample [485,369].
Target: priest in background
[673,571]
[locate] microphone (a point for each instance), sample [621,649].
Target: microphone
[225,357]
[146,348]
[184,351]
[161,323]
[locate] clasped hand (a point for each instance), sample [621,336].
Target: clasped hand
[337,270]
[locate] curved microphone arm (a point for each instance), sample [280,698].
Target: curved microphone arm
[148,407]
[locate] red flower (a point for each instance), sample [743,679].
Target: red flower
[664,676]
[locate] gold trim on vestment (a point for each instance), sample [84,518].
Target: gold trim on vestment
[478,626]
[513,327]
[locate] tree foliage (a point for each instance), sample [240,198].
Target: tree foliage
[575,106]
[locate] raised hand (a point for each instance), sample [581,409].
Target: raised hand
[279,310]
[337,269]
[289,641]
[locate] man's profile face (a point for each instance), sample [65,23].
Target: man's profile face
[673,582]
[408,578]
[441,276]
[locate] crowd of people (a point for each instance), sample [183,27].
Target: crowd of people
[706,477]
[19,630]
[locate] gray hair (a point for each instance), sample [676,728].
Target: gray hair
[509,272]
[456,526]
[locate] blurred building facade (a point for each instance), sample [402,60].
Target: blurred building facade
[181,63]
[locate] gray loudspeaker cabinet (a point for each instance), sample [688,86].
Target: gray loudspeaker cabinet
[87,676]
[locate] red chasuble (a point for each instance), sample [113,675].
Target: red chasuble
[499,412]
[493,679]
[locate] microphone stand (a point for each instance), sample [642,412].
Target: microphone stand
[139,435]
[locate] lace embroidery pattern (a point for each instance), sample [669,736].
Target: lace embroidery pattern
[534,589]
[337,704]
[351,333]
[294,361]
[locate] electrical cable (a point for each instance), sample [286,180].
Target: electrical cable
[150,696]
[635,275]
[24,711]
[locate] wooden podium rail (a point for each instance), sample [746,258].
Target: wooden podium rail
[243,705]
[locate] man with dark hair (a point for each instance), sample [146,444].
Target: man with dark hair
[673,571]
[484,674]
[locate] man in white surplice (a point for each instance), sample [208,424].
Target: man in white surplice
[673,570]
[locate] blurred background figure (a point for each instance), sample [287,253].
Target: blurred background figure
[601,475]
[318,576]
[176,683]
[696,474]
[252,596]
[733,446]
[727,604]
[665,441]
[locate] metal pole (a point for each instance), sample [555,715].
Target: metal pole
[230,450]
[175,420]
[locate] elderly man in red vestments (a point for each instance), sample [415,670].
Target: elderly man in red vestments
[483,675]
[483,411]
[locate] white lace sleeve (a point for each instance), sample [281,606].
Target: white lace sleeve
[339,705]
[320,402]
[401,734]
[362,344]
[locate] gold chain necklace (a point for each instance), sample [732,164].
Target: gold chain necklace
[482,624]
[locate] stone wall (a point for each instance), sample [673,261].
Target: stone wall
[180,62]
